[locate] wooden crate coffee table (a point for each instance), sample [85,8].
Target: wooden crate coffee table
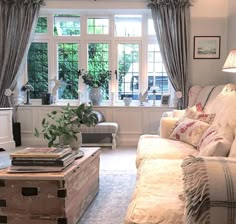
[50,198]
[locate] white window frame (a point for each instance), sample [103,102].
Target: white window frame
[85,38]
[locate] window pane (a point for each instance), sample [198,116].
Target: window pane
[66,25]
[68,70]
[97,26]
[157,77]
[128,67]
[98,61]
[151,30]
[38,69]
[42,25]
[128,25]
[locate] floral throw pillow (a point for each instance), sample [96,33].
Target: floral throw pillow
[189,131]
[216,141]
[195,114]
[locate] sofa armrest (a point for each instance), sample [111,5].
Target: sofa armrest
[178,113]
[168,114]
[166,126]
[174,113]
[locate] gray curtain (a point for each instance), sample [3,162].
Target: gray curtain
[172,25]
[18,19]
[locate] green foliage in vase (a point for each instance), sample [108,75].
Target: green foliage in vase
[100,79]
[66,122]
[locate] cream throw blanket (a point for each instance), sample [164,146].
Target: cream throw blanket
[210,190]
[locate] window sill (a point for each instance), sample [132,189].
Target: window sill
[104,105]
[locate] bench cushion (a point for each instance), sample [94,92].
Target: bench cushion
[103,127]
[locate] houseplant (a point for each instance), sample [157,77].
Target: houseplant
[97,83]
[63,126]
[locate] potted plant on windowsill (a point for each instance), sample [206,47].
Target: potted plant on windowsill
[62,127]
[97,83]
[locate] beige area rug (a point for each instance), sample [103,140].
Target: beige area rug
[111,203]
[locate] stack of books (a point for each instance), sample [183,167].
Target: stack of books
[34,159]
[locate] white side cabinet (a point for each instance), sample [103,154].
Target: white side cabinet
[6,134]
[133,121]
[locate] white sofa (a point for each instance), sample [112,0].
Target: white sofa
[157,197]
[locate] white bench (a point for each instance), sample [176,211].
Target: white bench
[110,128]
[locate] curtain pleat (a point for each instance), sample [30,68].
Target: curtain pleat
[172,25]
[18,19]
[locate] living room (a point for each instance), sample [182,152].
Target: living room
[215,20]
[210,19]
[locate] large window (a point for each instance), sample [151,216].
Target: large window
[98,26]
[157,77]
[68,70]
[128,25]
[66,25]
[128,67]
[98,61]
[124,44]
[38,69]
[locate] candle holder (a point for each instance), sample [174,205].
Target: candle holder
[154,97]
[154,90]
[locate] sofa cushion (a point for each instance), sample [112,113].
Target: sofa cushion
[155,147]
[193,94]
[209,190]
[197,114]
[216,141]
[189,131]
[204,95]
[224,106]
[156,195]
[232,152]
[99,115]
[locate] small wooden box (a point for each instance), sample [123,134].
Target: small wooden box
[50,198]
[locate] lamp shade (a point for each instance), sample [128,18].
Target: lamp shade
[230,63]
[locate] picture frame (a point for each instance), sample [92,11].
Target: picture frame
[206,47]
[165,99]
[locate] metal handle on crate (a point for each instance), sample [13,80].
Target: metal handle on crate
[29,191]
[3,219]
[3,203]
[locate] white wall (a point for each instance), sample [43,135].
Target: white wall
[231,77]
[209,18]
[99,4]
[208,71]
[210,8]
[201,8]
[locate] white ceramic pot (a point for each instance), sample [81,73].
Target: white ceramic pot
[95,95]
[73,143]
[127,101]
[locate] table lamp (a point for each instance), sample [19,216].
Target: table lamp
[230,63]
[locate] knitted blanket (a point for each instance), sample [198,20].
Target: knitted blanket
[209,190]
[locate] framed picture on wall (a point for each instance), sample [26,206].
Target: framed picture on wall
[206,47]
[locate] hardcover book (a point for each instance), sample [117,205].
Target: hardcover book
[32,161]
[41,152]
[35,169]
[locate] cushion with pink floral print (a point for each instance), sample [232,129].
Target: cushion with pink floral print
[189,131]
[216,141]
[197,114]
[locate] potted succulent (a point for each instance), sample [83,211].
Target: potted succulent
[63,126]
[97,83]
